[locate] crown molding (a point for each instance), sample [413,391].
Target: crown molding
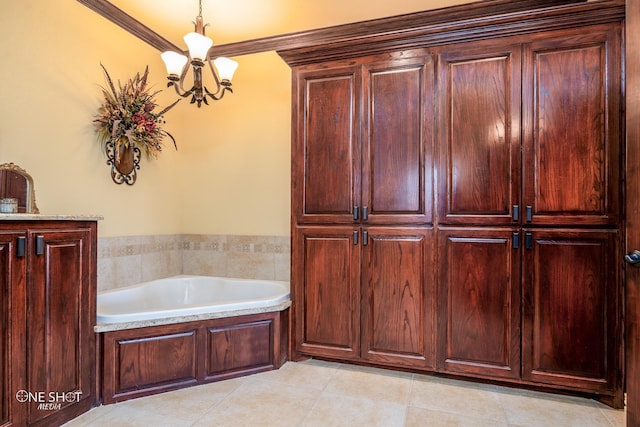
[481,19]
[130,24]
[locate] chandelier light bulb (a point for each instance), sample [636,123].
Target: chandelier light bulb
[198,45]
[174,62]
[226,67]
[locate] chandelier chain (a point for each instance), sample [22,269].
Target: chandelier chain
[200,8]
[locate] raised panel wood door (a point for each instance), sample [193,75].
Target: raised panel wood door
[326,289]
[398,286]
[397,171]
[13,328]
[571,322]
[479,302]
[479,140]
[572,122]
[326,145]
[60,347]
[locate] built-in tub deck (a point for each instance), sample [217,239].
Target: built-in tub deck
[148,354]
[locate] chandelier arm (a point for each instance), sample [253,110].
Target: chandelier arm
[183,75]
[215,75]
[219,94]
[179,90]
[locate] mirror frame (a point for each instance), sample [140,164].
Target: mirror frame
[31,208]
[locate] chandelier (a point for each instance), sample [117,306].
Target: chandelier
[199,46]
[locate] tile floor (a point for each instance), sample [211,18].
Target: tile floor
[318,393]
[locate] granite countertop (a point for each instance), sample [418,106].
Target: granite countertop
[106,327]
[41,217]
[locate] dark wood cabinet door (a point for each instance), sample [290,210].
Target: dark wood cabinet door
[326,289]
[326,145]
[572,122]
[13,327]
[479,140]
[398,287]
[479,302]
[61,315]
[397,165]
[571,308]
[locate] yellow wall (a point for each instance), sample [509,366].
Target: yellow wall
[231,173]
[50,77]
[236,154]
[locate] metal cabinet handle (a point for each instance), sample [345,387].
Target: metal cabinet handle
[528,240]
[39,245]
[365,238]
[516,212]
[21,246]
[355,237]
[355,213]
[365,213]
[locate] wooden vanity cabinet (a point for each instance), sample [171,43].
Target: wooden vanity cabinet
[363,146]
[363,170]
[326,291]
[570,290]
[479,302]
[496,147]
[479,93]
[562,92]
[326,163]
[572,121]
[52,267]
[365,294]
[398,311]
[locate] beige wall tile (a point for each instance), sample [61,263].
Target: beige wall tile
[126,260]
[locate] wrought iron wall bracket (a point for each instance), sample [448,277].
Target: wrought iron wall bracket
[124,164]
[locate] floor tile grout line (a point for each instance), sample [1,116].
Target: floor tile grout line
[242,381]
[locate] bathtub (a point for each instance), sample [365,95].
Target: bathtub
[187,330]
[186,296]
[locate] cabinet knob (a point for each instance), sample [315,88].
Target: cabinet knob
[633,258]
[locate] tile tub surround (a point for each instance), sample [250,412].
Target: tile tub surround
[318,393]
[127,260]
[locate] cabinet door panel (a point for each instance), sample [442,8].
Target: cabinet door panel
[398,282]
[326,147]
[326,285]
[479,95]
[479,302]
[60,324]
[396,187]
[12,327]
[572,135]
[571,300]
[243,348]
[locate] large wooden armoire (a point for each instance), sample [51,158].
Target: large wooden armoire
[457,194]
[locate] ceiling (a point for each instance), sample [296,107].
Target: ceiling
[241,20]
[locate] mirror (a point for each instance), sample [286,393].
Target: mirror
[16,183]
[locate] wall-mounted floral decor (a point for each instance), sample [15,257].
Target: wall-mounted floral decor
[128,126]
